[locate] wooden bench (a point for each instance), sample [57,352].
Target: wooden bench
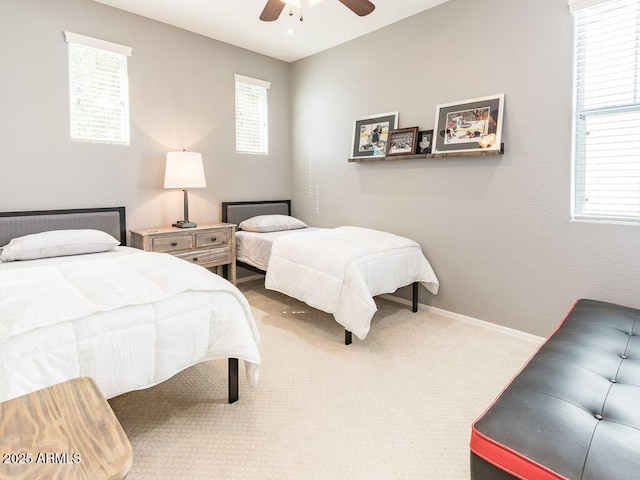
[65,431]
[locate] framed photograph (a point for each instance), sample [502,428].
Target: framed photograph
[471,125]
[370,134]
[425,140]
[402,141]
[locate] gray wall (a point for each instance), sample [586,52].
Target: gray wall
[182,97]
[496,230]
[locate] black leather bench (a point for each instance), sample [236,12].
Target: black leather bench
[573,412]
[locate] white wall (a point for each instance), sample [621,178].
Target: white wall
[496,229]
[182,97]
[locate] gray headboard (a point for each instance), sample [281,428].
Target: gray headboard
[236,212]
[17,224]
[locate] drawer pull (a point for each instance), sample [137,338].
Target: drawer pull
[195,259]
[213,239]
[174,244]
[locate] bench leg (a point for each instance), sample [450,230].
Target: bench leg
[233,380]
[415,297]
[347,337]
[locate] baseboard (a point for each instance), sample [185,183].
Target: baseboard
[463,318]
[249,278]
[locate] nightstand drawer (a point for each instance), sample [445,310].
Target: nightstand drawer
[172,244]
[217,237]
[204,257]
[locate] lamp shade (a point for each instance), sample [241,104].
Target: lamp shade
[184,170]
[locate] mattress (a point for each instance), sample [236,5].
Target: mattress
[255,248]
[123,345]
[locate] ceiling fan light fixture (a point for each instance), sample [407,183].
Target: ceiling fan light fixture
[302,3]
[273,8]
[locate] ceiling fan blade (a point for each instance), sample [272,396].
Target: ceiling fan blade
[272,10]
[359,7]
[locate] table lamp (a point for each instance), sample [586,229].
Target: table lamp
[184,170]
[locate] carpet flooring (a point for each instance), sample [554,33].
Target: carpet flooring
[397,405]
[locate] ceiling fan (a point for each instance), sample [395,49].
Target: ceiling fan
[273,8]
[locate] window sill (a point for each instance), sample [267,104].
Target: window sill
[606,221]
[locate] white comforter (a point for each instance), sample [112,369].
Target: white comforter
[339,270]
[128,318]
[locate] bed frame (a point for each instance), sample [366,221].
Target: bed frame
[111,220]
[236,212]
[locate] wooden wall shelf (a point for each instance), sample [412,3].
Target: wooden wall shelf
[481,153]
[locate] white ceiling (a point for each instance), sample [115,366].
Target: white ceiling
[237,22]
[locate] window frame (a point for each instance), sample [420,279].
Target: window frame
[114,132]
[260,137]
[583,113]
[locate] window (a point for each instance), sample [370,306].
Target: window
[606,180]
[98,90]
[252,122]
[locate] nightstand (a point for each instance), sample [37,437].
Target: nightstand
[212,245]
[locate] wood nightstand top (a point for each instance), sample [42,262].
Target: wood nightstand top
[170,229]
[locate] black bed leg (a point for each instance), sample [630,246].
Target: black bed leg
[415,297]
[347,337]
[233,380]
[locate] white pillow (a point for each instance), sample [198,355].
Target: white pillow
[57,243]
[272,223]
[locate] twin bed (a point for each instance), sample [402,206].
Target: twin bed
[76,301]
[127,318]
[336,270]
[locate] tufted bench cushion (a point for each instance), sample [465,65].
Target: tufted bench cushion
[574,410]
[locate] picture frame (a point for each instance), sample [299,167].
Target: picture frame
[402,141]
[469,125]
[370,134]
[425,141]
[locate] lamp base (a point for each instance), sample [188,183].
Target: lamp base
[185,224]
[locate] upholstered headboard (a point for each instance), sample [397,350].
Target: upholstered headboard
[236,212]
[17,224]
